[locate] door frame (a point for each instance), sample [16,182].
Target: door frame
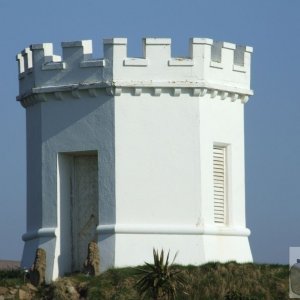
[65,198]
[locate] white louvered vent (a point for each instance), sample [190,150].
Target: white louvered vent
[219,172]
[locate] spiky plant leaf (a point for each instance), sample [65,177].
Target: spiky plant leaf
[160,280]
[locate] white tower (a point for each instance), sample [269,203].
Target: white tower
[135,153]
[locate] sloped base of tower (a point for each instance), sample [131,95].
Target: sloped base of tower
[126,248]
[135,249]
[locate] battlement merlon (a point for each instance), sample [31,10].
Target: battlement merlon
[213,65]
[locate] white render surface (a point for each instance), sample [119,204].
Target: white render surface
[152,123]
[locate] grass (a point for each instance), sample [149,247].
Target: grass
[10,278]
[212,281]
[236,281]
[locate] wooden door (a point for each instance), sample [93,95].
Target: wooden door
[84,207]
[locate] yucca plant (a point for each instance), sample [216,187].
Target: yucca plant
[160,280]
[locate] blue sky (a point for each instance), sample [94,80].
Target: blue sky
[272,116]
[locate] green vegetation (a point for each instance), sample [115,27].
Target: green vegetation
[237,281]
[212,281]
[11,277]
[160,280]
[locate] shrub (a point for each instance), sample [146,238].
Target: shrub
[12,277]
[160,280]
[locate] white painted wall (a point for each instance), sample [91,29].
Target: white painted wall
[68,126]
[157,159]
[164,176]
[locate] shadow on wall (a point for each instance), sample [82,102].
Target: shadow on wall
[59,115]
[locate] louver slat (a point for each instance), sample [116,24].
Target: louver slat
[219,156]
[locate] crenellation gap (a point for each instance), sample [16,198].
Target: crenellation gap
[216,51]
[239,55]
[180,50]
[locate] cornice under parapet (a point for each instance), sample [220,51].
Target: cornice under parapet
[136,88]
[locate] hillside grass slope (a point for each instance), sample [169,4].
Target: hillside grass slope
[229,281]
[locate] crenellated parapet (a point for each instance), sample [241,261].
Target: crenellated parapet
[219,68]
